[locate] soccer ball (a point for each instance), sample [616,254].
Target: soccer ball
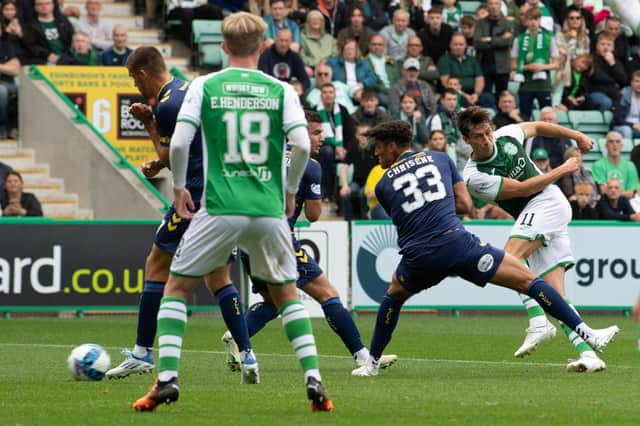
[88,362]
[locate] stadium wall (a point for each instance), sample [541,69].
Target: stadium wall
[104,181]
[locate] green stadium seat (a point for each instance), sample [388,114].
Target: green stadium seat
[469,7]
[535,115]
[206,31]
[636,141]
[212,55]
[608,117]
[563,118]
[591,121]
[491,111]
[513,87]
[594,155]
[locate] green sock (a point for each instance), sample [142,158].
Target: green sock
[172,322]
[297,325]
[579,344]
[537,317]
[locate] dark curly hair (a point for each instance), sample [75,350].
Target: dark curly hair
[471,117]
[312,116]
[397,131]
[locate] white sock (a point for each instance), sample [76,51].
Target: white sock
[140,351]
[362,354]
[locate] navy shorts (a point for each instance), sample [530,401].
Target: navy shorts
[458,253]
[171,230]
[308,268]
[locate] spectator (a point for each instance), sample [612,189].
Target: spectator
[415,10]
[10,26]
[547,22]
[626,118]
[569,183]
[581,206]
[9,69]
[482,11]
[277,20]
[15,202]
[621,49]
[451,14]
[608,76]
[409,112]
[259,7]
[100,30]
[324,74]
[445,117]
[410,83]
[436,36]
[336,15]
[533,55]
[356,30]
[613,205]
[281,62]
[540,158]
[467,27]
[613,166]
[397,34]
[350,69]
[353,201]
[437,141]
[47,37]
[81,51]
[575,95]
[507,112]
[454,83]
[635,158]
[555,147]
[376,211]
[428,70]
[467,68]
[385,68]
[492,39]
[578,5]
[375,13]
[337,129]
[4,169]
[317,45]
[368,113]
[186,11]
[572,41]
[119,53]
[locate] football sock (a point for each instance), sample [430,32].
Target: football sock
[148,314]
[231,308]
[297,326]
[537,317]
[172,322]
[638,332]
[386,322]
[581,346]
[258,315]
[554,305]
[342,324]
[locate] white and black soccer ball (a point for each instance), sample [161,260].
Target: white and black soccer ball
[88,362]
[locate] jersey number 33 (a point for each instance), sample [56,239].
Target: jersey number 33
[411,184]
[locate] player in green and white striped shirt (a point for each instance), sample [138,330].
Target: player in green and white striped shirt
[245,117]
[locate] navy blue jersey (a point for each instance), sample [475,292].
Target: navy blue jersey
[417,192]
[309,188]
[166,111]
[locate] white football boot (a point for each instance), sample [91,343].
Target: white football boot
[534,338]
[586,364]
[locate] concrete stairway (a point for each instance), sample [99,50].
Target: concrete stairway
[50,191]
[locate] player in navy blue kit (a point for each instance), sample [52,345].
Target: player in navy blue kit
[422,191]
[148,70]
[311,279]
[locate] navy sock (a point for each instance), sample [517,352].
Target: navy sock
[553,303]
[148,312]
[259,314]
[231,308]
[341,322]
[386,321]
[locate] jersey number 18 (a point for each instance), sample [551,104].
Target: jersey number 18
[409,183]
[249,122]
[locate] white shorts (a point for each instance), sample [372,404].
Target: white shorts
[209,241]
[546,217]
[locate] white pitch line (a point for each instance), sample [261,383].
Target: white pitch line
[275,355]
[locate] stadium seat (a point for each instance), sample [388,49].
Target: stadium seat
[513,87]
[608,116]
[207,41]
[591,121]
[491,111]
[592,156]
[469,7]
[636,141]
[563,118]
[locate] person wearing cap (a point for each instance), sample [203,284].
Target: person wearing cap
[540,157]
[428,70]
[418,88]
[467,68]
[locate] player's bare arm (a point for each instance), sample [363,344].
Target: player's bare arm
[312,209]
[542,128]
[144,114]
[464,205]
[512,188]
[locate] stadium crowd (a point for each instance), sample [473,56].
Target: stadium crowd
[363,62]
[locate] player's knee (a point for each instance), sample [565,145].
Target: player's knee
[157,264]
[320,289]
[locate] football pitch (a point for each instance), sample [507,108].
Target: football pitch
[451,371]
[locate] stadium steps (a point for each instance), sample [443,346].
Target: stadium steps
[109,8]
[50,191]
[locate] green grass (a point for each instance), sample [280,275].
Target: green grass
[451,371]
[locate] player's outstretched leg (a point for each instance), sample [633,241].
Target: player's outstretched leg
[231,308]
[172,322]
[140,359]
[540,330]
[386,322]
[588,361]
[297,326]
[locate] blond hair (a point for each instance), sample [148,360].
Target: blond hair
[314,14]
[584,187]
[243,33]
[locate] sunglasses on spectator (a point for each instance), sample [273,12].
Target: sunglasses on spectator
[323,74]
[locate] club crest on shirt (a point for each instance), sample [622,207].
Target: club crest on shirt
[510,148]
